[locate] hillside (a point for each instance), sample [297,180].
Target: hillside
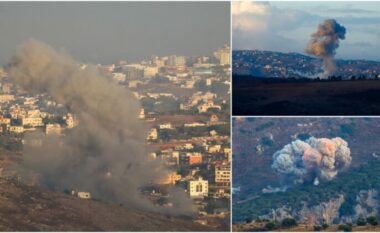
[26,208]
[352,193]
[286,65]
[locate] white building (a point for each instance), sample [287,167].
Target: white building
[166,126]
[84,195]
[198,188]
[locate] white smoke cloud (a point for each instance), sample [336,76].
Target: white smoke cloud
[108,140]
[312,160]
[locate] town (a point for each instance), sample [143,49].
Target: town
[185,104]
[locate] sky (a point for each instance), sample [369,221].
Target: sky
[106,32]
[286,26]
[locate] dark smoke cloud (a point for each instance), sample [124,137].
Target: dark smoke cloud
[105,154]
[312,160]
[324,42]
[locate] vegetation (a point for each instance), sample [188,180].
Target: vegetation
[361,222]
[345,227]
[348,183]
[372,220]
[267,141]
[264,126]
[289,222]
[270,226]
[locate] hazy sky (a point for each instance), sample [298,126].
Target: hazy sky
[286,26]
[107,32]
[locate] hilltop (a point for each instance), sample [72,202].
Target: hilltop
[260,63]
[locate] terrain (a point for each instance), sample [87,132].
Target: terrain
[275,97]
[353,194]
[266,64]
[27,208]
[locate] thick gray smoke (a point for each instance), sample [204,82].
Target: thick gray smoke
[312,160]
[105,154]
[324,42]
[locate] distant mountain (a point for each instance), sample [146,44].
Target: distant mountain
[286,65]
[27,208]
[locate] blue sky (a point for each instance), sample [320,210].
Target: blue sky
[286,26]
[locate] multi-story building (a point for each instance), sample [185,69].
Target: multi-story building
[223,175]
[32,121]
[150,71]
[223,55]
[198,188]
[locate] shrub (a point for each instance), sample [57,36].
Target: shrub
[372,220]
[317,228]
[289,222]
[361,222]
[345,227]
[270,226]
[325,226]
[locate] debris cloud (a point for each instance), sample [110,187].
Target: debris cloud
[105,154]
[324,42]
[312,160]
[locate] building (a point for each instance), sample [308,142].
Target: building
[150,71]
[70,121]
[142,114]
[198,188]
[84,195]
[214,149]
[32,121]
[223,175]
[176,61]
[227,152]
[132,73]
[5,121]
[53,129]
[119,77]
[223,55]
[153,134]
[194,158]
[166,126]
[16,129]
[6,98]
[171,178]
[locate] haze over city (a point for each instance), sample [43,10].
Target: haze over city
[102,32]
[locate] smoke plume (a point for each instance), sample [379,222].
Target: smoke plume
[105,154]
[312,160]
[324,42]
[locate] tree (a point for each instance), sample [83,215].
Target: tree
[345,227]
[270,226]
[372,220]
[361,222]
[289,222]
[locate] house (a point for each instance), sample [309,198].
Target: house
[198,188]
[84,195]
[16,129]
